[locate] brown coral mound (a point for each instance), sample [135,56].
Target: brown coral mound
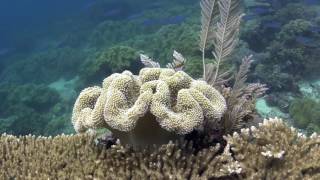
[271,151]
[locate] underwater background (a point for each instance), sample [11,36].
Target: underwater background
[50,50]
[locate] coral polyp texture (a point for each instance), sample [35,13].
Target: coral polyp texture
[272,150]
[157,105]
[276,151]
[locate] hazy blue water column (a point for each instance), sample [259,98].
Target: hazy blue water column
[17,15]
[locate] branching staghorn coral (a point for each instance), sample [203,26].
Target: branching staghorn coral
[151,108]
[276,151]
[271,151]
[76,157]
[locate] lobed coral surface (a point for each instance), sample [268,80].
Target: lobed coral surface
[151,108]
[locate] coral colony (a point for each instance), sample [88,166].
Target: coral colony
[170,102]
[164,124]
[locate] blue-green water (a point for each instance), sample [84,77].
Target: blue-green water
[50,50]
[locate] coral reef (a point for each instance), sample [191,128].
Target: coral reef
[275,151]
[271,151]
[35,68]
[114,59]
[26,109]
[172,100]
[306,114]
[161,43]
[208,118]
[109,33]
[164,99]
[288,35]
[290,38]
